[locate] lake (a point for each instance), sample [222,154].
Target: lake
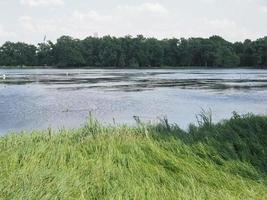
[42,98]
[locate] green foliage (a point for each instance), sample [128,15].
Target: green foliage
[210,161]
[68,52]
[137,51]
[15,54]
[45,54]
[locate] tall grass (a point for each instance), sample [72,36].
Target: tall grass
[227,160]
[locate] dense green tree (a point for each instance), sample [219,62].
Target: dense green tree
[91,48]
[261,50]
[68,52]
[136,51]
[18,54]
[170,48]
[249,56]
[225,55]
[45,53]
[110,52]
[155,52]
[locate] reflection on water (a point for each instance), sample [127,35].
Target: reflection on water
[32,99]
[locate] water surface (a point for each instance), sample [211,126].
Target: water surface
[42,98]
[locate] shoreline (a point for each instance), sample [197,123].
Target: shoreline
[161,161]
[140,68]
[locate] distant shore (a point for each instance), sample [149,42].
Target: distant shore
[136,52]
[95,67]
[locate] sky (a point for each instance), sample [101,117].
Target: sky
[30,20]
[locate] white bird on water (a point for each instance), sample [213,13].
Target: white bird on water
[4,76]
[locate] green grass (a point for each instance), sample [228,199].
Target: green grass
[227,160]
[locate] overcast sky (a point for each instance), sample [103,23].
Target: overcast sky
[30,20]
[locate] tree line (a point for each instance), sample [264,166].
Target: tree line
[136,51]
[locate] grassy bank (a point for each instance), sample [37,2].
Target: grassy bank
[227,160]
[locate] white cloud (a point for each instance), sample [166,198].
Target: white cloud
[42,2]
[159,19]
[90,15]
[78,24]
[221,23]
[41,27]
[263,9]
[119,21]
[226,28]
[145,7]
[27,24]
[5,35]
[208,1]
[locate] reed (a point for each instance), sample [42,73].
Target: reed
[227,160]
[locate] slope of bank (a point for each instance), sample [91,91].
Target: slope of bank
[227,160]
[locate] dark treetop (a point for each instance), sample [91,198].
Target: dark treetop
[137,51]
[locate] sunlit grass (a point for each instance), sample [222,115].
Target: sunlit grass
[212,161]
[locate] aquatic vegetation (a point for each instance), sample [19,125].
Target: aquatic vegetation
[227,160]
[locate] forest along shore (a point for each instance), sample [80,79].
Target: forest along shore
[136,52]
